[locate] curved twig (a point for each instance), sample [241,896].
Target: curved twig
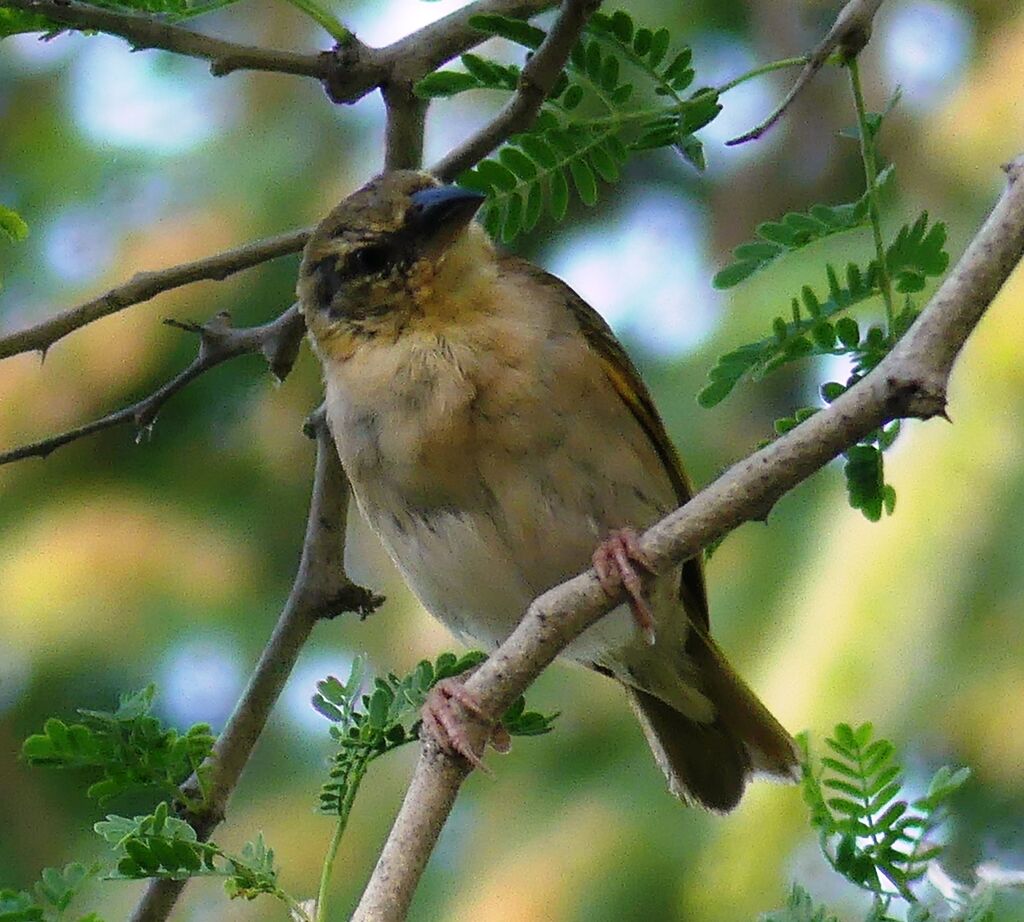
[910,381]
[321,590]
[848,35]
[219,341]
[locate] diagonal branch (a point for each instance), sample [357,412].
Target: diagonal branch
[910,381]
[278,341]
[848,35]
[321,590]
[145,285]
[536,81]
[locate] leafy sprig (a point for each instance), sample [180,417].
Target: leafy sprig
[821,325]
[590,123]
[794,231]
[129,748]
[164,847]
[368,725]
[869,830]
[881,839]
[51,897]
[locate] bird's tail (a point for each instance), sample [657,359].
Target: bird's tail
[710,763]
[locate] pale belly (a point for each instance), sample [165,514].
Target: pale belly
[462,569]
[487,489]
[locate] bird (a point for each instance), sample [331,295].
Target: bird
[498,440]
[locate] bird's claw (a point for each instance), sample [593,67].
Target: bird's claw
[613,561]
[444,723]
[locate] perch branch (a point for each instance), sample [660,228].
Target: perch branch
[535,82]
[910,381]
[145,285]
[848,35]
[219,341]
[321,590]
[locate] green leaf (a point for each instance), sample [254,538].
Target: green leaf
[659,46]
[583,178]
[515,30]
[498,176]
[518,163]
[558,195]
[642,41]
[444,83]
[11,223]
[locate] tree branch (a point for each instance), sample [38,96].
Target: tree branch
[148,32]
[278,341]
[403,134]
[145,285]
[348,72]
[321,590]
[849,34]
[536,81]
[910,381]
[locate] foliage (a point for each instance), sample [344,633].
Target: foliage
[873,834]
[367,726]
[128,748]
[793,232]
[819,323]
[591,123]
[13,22]
[52,896]
[12,225]
[162,846]
[133,751]
[370,725]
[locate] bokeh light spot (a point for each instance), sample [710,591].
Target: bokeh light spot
[150,100]
[199,681]
[646,272]
[926,45]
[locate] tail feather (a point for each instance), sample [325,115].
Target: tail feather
[710,763]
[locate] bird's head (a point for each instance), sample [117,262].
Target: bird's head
[388,255]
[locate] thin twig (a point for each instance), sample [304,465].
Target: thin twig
[536,81]
[848,35]
[321,590]
[278,341]
[149,32]
[910,381]
[145,285]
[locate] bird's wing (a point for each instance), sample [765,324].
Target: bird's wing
[628,384]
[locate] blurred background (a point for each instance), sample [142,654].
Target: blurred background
[167,561]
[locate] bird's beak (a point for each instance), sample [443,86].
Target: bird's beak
[437,215]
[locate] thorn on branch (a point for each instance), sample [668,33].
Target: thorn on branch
[278,341]
[355,599]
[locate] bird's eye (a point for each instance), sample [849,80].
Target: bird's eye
[328,280]
[369,260]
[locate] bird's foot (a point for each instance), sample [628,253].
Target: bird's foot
[613,560]
[444,721]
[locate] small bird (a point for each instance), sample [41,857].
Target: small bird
[499,440]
